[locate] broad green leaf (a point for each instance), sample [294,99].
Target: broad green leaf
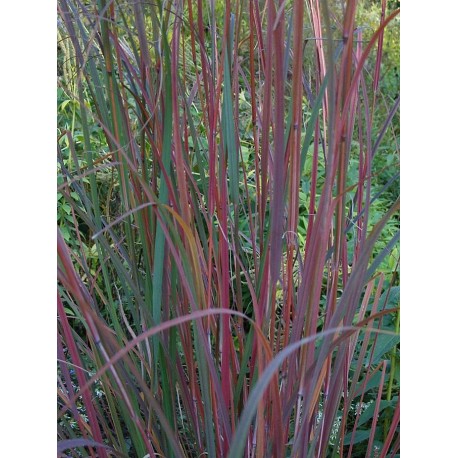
[359,436]
[368,413]
[383,345]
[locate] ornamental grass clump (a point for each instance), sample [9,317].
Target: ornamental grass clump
[228,231]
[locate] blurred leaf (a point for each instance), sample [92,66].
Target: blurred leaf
[360,436]
[383,345]
[389,299]
[368,413]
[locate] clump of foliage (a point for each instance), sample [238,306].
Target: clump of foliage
[228,263]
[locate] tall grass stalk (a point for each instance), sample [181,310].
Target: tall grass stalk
[224,290]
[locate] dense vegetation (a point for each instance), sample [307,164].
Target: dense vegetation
[228,228]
